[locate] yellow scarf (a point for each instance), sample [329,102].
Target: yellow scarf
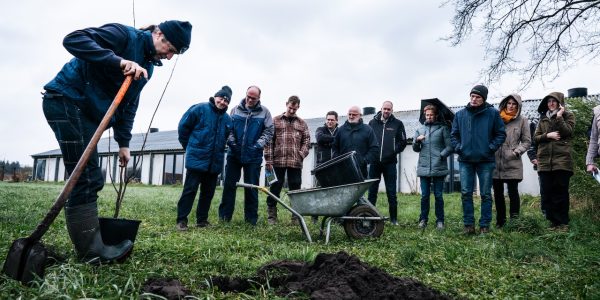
[506,116]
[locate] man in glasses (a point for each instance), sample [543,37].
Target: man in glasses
[325,135]
[354,135]
[203,131]
[252,130]
[77,99]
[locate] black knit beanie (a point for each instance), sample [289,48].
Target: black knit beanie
[178,33]
[225,93]
[480,90]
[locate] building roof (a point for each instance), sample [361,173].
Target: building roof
[167,140]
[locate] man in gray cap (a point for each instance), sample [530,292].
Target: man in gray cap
[77,99]
[477,132]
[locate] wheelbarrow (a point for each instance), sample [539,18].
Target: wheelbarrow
[343,203]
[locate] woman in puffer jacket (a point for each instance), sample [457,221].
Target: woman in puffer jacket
[554,135]
[432,141]
[509,167]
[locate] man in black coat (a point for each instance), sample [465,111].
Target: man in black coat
[392,140]
[325,135]
[354,135]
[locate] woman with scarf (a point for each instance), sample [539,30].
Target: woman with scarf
[553,136]
[509,167]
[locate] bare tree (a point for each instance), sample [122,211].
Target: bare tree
[555,34]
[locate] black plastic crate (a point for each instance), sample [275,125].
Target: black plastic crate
[343,169]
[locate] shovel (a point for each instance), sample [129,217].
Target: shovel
[26,258]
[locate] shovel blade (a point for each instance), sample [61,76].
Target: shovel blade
[25,260]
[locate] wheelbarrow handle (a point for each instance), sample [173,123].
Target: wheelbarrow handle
[59,203]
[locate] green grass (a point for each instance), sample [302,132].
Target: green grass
[524,260]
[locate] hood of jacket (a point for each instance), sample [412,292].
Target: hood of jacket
[543,107]
[504,103]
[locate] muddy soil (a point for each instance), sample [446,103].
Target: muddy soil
[331,276]
[171,289]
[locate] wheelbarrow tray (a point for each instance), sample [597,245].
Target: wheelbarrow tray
[333,201]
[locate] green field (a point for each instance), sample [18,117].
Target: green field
[524,260]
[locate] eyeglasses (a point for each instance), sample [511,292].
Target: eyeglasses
[330,120]
[353,115]
[251,98]
[172,48]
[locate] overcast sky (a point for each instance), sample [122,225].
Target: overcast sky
[332,54]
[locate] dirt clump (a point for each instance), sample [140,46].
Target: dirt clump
[166,287]
[331,276]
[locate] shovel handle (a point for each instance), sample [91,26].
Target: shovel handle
[59,203]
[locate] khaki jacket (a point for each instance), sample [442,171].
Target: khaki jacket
[518,139]
[554,155]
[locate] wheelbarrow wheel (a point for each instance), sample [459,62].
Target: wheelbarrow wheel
[359,229]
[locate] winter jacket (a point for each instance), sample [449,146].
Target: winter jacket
[252,130]
[325,138]
[93,77]
[594,147]
[477,132]
[203,132]
[357,137]
[391,137]
[433,150]
[518,141]
[290,143]
[554,155]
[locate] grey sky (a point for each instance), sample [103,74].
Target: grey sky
[332,54]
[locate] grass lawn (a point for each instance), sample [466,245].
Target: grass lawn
[524,260]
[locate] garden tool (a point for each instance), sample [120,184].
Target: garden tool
[26,257]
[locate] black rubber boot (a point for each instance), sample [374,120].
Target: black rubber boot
[84,230]
[394,214]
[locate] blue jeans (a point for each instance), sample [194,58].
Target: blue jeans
[73,131]
[208,184]
[390,176]
[438,188]
[233,172]
[484,171]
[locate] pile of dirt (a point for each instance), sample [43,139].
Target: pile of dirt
[169,288]
[331,276]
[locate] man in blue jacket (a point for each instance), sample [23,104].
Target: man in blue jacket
[203,132]
[252,130]
[477,132]
[77,99]
[392,140]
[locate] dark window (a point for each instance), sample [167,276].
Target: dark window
[40,169]
[134,169]
[173,172]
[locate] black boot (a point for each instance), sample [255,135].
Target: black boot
[394,215]
[84,230]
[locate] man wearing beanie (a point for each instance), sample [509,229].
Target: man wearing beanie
[77,99]
[203,132]
[477,132]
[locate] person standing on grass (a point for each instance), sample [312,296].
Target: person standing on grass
[285,153]
[77,99]
[432,141]
[477,132]
[325,135]
[354,135]
[594,147]
[203,132]
[532,154]
[252,130]
[554,135]
[391,136]
[509,167]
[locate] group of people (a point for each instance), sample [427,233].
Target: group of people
[489,142]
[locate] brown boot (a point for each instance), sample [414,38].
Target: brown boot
[272,215]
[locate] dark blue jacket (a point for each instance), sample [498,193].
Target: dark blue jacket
[391,137]
[93,77]
[252,130]
[203,132]
[477,132]
[356,137]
